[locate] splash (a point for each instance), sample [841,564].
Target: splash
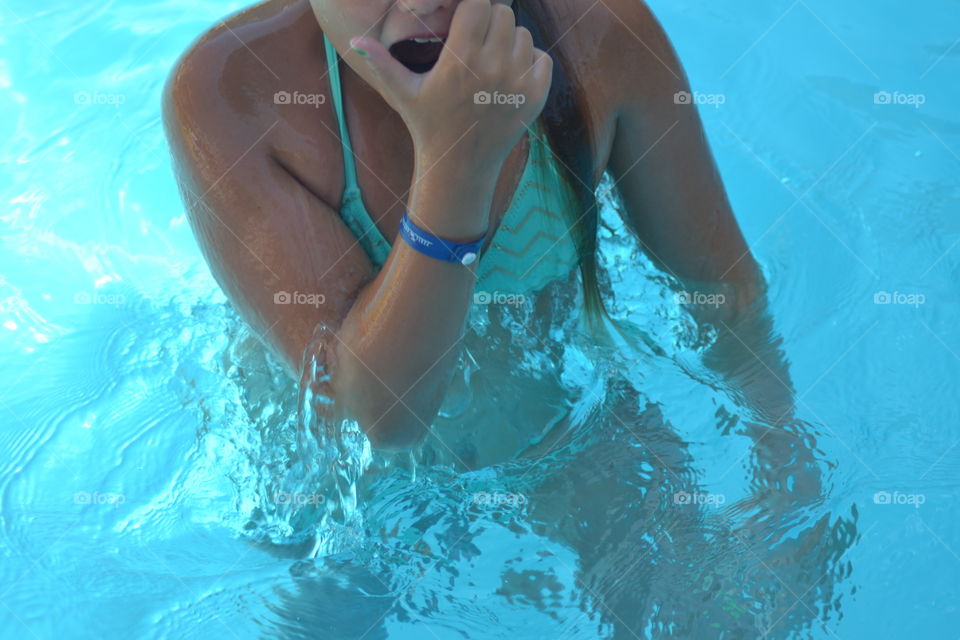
[587,482]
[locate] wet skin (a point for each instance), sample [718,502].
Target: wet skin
[263,183]
[220,111]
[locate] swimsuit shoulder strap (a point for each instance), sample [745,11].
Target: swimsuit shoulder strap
[349,168]
[352,210]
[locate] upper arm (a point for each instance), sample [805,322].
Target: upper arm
[261,230]
[673,195]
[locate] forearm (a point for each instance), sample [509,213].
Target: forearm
[397,347]
[747,351]
[748,354]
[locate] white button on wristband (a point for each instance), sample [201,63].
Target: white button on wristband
[465,253]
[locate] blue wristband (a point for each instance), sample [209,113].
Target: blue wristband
[429,244]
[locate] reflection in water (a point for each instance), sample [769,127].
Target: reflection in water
[590,514]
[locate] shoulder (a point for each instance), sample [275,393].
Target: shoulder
[224,69]
[220,99]
[621,44]
[610,24]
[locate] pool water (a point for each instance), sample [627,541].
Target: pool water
[160,477]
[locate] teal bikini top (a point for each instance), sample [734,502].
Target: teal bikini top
[533,244]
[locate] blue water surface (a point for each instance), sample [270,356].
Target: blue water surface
[145,430]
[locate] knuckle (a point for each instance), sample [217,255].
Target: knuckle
[523,45]
[522,38]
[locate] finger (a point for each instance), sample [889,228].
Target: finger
[394,76]
[503,24]
[471,20]
[523,50]
[542,69]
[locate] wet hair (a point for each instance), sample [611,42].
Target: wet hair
[565,118]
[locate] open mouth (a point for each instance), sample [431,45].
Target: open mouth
[418,54]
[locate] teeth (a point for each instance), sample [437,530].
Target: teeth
[424,40]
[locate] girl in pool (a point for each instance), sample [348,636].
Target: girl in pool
[377,166]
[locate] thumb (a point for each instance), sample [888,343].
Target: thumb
[396,77]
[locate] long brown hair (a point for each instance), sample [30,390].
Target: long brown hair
[565,117]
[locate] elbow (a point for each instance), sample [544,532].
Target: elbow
[393,416]
[391,423]
[388,423]
[748,298]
